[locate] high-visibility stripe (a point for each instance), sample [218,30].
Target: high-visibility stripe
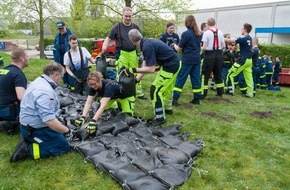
[196,90]
[177,89]
[220,85]
[36,152]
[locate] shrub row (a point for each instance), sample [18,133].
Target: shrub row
[283,51]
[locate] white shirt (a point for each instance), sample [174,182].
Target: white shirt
[76,58]
[208,38]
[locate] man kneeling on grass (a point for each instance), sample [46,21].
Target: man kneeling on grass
[42,134]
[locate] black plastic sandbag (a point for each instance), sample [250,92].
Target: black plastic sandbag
[127,174]
[101,65]
[103,157]
[114,164]
[172,174]
[146,183]
[128,83]
[171,130]
[90,148]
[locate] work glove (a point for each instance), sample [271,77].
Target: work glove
[172,46]
[130,71]
[92,127]
[67,135]
[80,121]
[77,79]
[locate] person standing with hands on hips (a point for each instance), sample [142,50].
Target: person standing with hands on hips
[126,53]
[161,57]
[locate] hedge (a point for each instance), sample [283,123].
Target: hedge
[83,43]
[283,51]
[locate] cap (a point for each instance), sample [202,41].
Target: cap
[60,24]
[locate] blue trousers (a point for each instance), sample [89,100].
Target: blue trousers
[45,142]
[193,70]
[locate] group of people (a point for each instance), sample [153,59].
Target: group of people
[37,107]
[42,134]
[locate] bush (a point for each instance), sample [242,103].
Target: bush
[83,43]
[281,50]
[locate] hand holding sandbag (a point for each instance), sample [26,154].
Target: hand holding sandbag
[92,127]
[80,121]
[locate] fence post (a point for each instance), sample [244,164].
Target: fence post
[27,44]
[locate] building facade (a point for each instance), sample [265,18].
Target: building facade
[274,18]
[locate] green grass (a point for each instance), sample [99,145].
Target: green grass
[242,150]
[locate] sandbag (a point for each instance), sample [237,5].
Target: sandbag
[146,183]
[149,141]
[172,156]
[103,157]
[141,131]
[189,148]
[163,132]
[65,101]
[119,127]
[128,83]
[101,66]
[114,164]
[173,174]
[90,148]
[147,163]
[127,174]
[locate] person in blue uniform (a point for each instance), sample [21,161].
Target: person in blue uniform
[244,62]
[12,86]
[157,57]
[269,70]
[169,37]
[277,70]
[61,46]
[110,91]
[191,61]
[1,61]
[263,84]
[256,64]
[42,133]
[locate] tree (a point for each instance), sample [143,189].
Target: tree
[37,11]
[150,15]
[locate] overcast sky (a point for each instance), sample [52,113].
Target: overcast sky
[205,4]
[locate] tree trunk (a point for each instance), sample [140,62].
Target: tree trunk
[41,30]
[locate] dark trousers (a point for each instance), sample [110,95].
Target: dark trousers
[213,62]
[44,142]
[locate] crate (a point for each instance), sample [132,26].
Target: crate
[284,76]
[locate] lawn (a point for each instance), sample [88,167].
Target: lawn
[246,145]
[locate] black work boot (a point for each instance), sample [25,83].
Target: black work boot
[10,127]
[21,151]
[175,102]
[194,101]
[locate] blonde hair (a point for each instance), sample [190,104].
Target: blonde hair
[96,76]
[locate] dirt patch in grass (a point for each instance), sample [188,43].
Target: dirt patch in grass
[219,99]
[215,115]
[261,114]
[285,108]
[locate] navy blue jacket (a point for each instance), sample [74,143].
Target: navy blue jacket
[56,51]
